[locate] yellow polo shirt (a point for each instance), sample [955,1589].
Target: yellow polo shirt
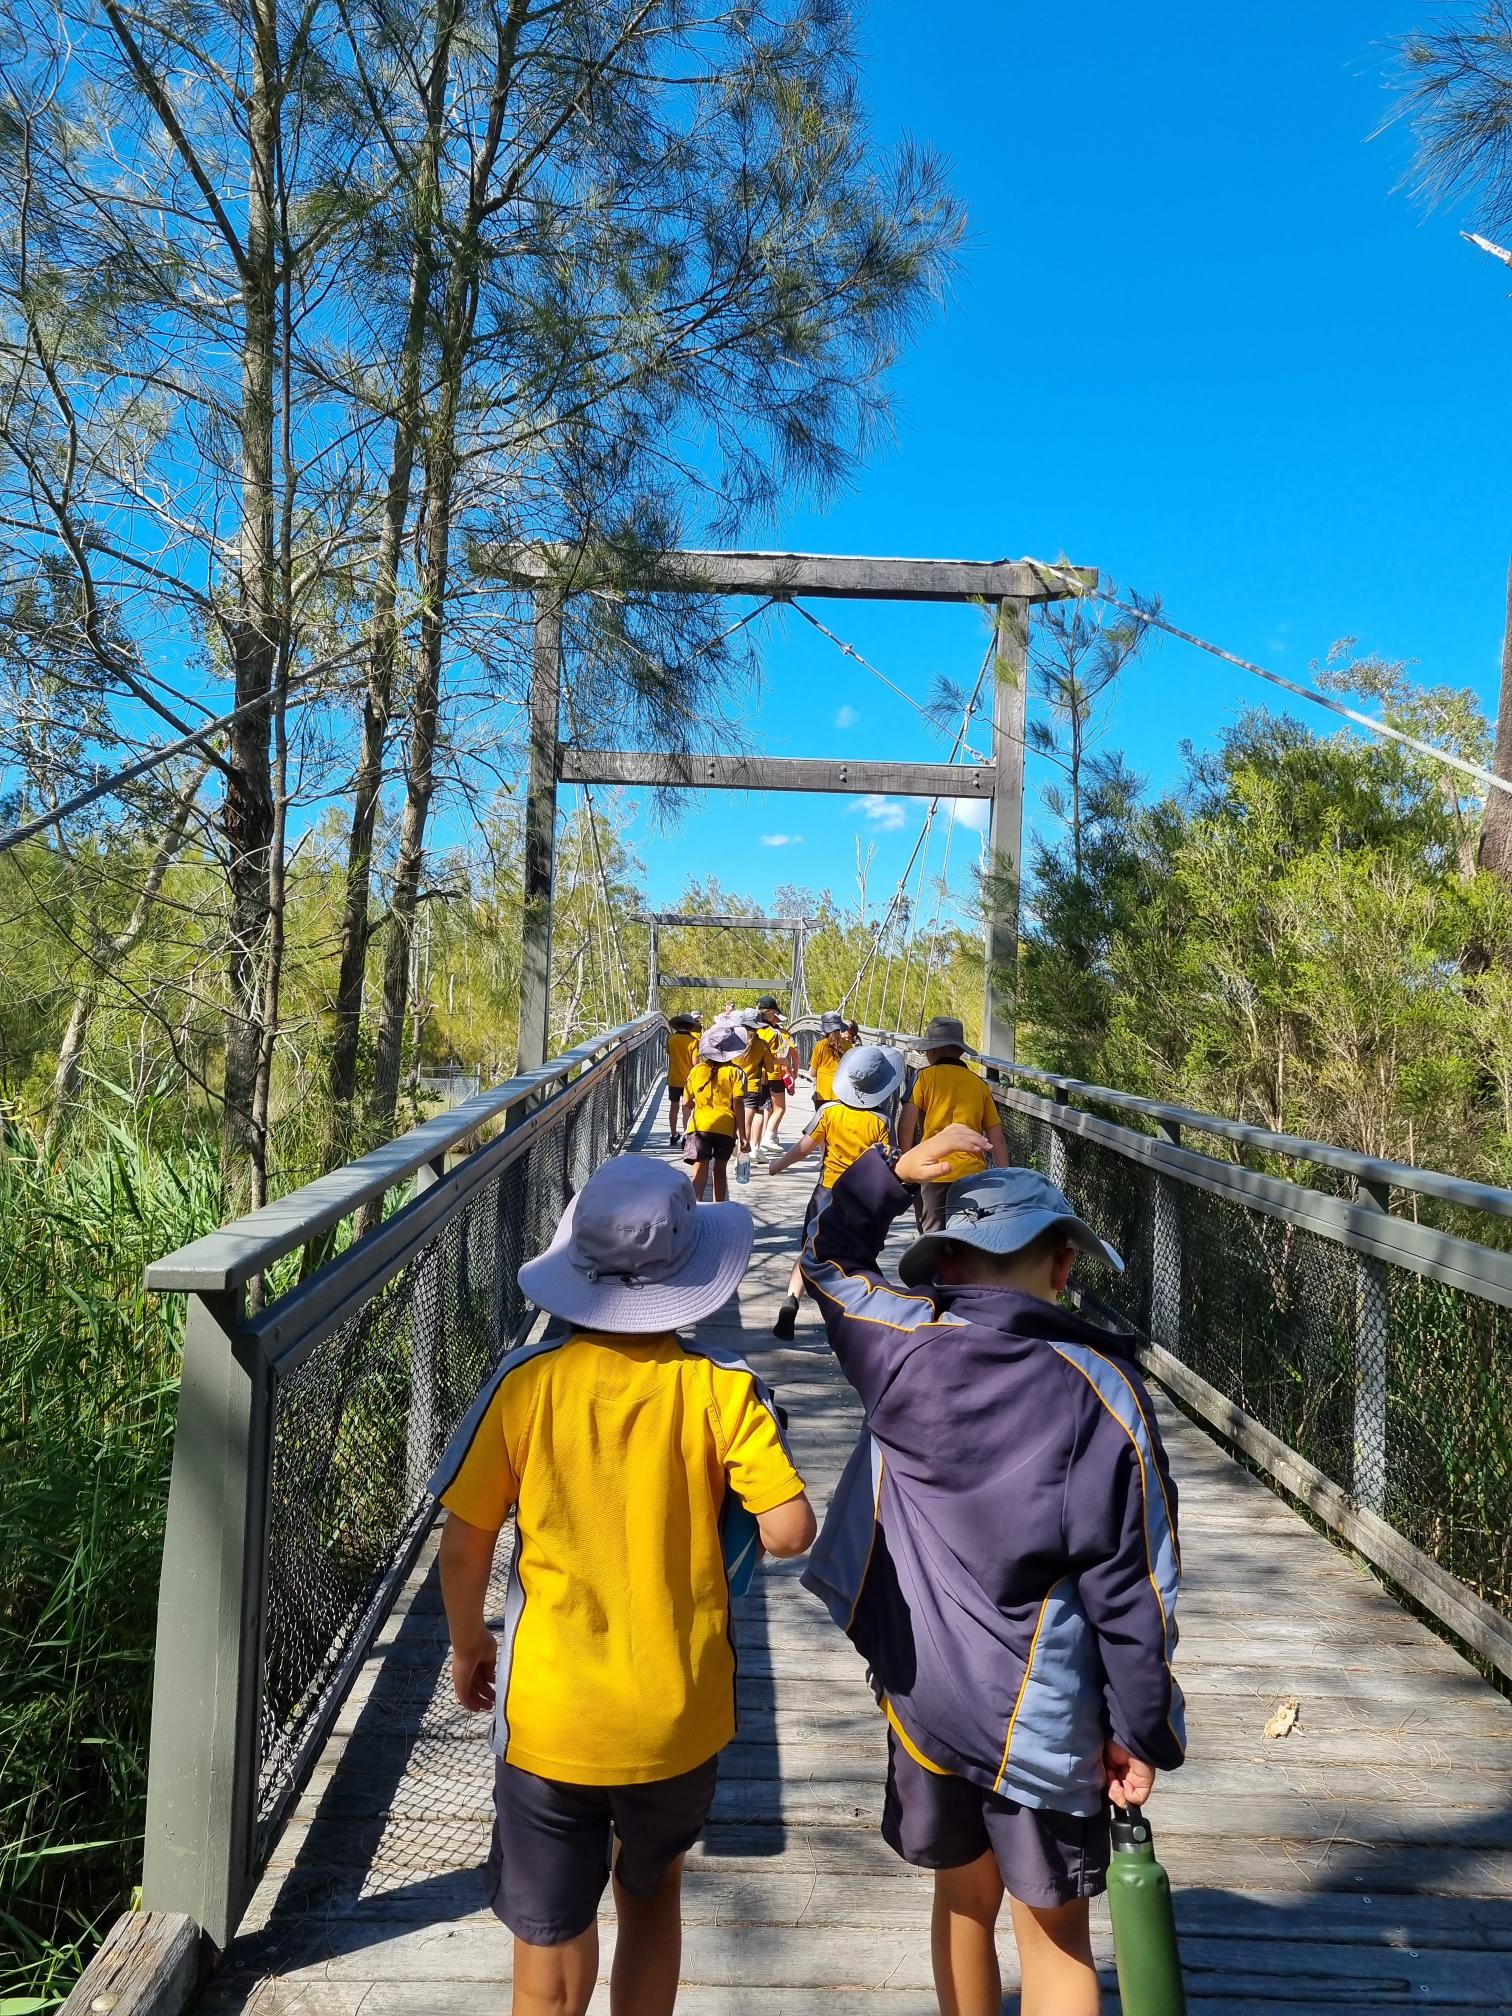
[714,1090]
[847,1132]
[825,1062]
[615,1454]
[946,1093]
[682,1049]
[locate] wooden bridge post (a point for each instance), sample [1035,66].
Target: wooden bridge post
[1005,832]
[540,834]
[205,1746]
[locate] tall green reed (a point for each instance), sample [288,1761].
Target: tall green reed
[89,1366]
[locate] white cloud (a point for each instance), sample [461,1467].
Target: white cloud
[847,717]
[782,839]
[887,814]
[973,813]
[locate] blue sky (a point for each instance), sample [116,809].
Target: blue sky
[1200,340]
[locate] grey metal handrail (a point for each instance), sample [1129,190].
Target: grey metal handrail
[306,1432]
[232,1255]
[1366,1169]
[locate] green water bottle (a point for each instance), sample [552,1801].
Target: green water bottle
[1144,1925]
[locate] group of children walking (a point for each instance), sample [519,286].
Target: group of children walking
[1001,1548]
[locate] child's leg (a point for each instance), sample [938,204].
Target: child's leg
[963,1940]
[648,1954]
[1055,1958]
[674,1106]
[657,1824]
[556,1980]
[779,1114]
[701,1178]
[721,1181]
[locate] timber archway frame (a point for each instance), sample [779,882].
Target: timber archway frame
[551,573]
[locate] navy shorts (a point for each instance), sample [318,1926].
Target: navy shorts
[714,1147]
[818,1204]
[760,1097]
[941,1822]
[553,1845]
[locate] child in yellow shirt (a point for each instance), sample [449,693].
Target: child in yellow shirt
[834,1041]
[855,1119]
[682,1049]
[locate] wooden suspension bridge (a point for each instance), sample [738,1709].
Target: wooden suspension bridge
[1326,1333]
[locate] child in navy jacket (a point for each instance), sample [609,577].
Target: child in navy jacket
[1002,1550]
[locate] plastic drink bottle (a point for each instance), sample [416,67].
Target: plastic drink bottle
[743,1166]
[1144,1925]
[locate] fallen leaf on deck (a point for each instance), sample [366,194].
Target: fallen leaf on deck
[1286,1717]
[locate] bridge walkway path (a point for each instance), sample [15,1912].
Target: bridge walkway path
[1362,1862]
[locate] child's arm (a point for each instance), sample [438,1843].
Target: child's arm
[1121,1534]
[804,1145]
[908,1126]
[466,1563]
[872,1325]
[788,1529]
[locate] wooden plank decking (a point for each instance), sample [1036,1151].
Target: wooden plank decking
[1364,1862]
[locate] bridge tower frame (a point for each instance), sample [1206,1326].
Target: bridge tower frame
[551,573]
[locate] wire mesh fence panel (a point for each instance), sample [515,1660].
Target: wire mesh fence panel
[1448,1429]
[360,1421]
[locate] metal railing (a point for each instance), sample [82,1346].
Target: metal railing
[307,1429]
[1360,1356]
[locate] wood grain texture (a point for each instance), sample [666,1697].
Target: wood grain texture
[774,773]
[863,577]
[149,1965]
[1364,1862]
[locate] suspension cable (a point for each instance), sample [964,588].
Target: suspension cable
[850,651]
[1366,721]
[989,657]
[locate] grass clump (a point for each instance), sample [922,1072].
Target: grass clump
[89,1368]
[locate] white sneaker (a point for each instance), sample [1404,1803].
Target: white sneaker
[761,1151]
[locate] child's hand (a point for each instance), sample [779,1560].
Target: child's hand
[929,1161]
[1130,1779]
[473,1667]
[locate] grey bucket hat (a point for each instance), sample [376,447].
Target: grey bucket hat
[636,1252]
[722,1044]
[868,1076]
[831,1022]
[1001,1211]
[945,1032]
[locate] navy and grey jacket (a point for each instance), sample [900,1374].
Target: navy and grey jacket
[1002,1546]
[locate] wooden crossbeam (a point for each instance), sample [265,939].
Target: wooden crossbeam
[858,576]
[675,918]
[774,773]
[735,986]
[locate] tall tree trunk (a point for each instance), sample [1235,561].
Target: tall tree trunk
[458,319]
[249,813]
[420,769]
[356,929]
[108,952]
[1495,854]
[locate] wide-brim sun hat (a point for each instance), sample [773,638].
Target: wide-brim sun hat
[868,1076]
[944,1032]
[722,1044]
[637,1253]
[831,1023]
[1002,1211]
